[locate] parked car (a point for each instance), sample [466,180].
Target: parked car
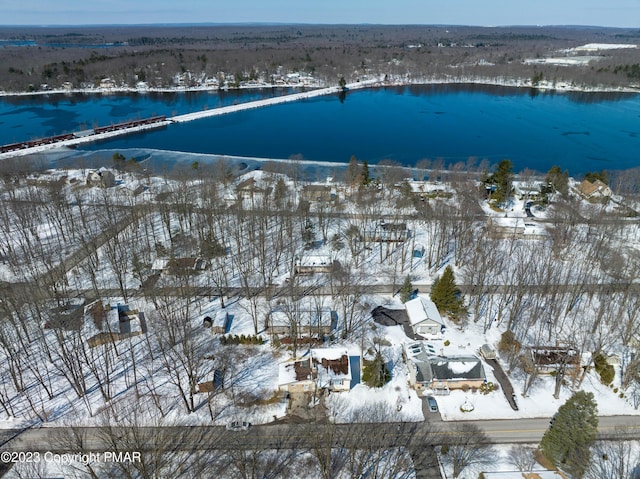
[238,426]
[433,405]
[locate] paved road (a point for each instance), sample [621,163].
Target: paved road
[185,438]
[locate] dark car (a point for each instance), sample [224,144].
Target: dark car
[433,405]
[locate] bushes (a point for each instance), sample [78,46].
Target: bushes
[604,369]
[242,339]
[486,388]
[508,343]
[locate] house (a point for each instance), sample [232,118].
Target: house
[313,263]
[107,83]
[456,372]
[67,316]
[387,232]
[333,371]
[184,265]
[594,190]
[441,373]
[327,369]
[175,266]
[317,193]
[420,375]
[296,376]
[424,318]
[102,177]
[249,194]
[529,191]
[422,190]
[288,321]
[218,322]
[515,228]
[487,352]
[105,323]
[548,359]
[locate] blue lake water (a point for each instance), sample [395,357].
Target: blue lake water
[28,117]
[578,131]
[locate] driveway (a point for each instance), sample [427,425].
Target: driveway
[394,317]
[505,384]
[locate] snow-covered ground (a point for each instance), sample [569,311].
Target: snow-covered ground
[594,47]
[148,394]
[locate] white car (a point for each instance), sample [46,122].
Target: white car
[238,426]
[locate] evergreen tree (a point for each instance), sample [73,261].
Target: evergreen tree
[601,175]
[558,180]
[309,234]
[447,296]
[406,290]
[375,374]
[573,431]
[365,175]
[502,179]
[280,193]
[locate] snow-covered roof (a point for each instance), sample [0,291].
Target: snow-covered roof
[332,365]
[288,372]
[459,367]
[314,259]
[330,354]
[160,264]
[422,309]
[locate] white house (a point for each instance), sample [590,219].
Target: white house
[333,368]
[425,318]
[313,263]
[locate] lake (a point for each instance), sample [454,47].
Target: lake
[578,131]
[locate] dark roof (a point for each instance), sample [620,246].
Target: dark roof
[550,355]
[318,188]
[302,369]
[394,226]
[467,367]
[338,366]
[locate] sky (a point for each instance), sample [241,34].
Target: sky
[610,13]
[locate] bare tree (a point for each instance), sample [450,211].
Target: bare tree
[522,458]
[617,458]
[469,448]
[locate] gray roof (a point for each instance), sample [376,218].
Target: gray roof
[462,367]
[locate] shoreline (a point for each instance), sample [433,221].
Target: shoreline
[61,147]
[370,83]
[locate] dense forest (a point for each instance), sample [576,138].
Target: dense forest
[155,54]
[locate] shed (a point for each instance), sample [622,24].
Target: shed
[487,352]
[424,317]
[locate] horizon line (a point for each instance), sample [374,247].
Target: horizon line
[236,24]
